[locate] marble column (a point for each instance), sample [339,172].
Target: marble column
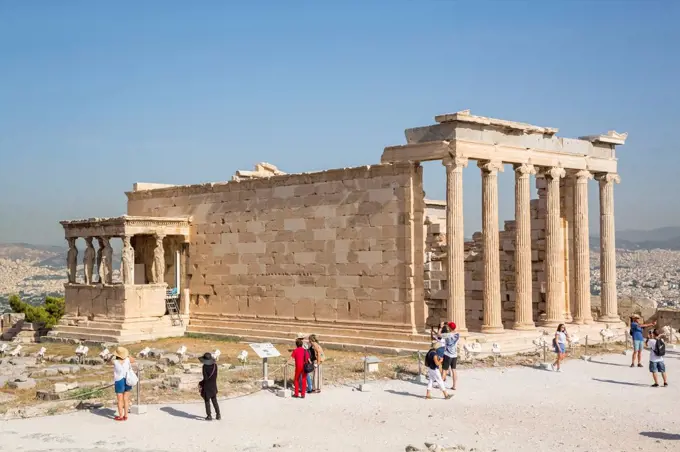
[554,263]
[493,322]
[455,257]
[608,298]
[523,307]
[582,310]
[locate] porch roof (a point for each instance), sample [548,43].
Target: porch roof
[127,225]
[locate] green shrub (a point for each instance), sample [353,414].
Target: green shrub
[48,314]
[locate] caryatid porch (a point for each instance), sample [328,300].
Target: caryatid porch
[560,162]
[153,259]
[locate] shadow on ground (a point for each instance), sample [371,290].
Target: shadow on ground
[662,435]
[626,383]
[183,414]
[592,361]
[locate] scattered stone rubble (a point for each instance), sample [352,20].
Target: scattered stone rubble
[262,169]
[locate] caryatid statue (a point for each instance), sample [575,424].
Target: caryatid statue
[72,259]
[128,261]
[88,261]
[105,267]
[158,261]
[100,251]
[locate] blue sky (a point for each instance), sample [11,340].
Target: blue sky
[95,96]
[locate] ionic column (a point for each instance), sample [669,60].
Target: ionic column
[554,264]
[608,297]
[493,322]
[582,311]
[455,257]
[523,308]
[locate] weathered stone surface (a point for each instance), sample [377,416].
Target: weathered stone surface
[170,359]
[27,383]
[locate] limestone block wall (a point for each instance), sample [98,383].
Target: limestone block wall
[338,245]
[115,302]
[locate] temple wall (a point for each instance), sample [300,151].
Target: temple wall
[338,245]
[115,302]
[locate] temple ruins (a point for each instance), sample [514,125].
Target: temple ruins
[358,255]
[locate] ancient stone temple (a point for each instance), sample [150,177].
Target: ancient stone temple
[358,255]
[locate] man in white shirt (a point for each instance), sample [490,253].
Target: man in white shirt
[656,362]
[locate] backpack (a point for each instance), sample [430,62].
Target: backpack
[659,347]
[429,358]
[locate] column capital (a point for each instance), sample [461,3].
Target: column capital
[490,166]
[583,175]
[608,178]
[522,169]
[455,162]
[551,172]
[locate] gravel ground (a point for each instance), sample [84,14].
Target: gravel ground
[599,406]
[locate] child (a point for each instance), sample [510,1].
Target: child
[208,386]
[301,356]
[657,350]
[433,360]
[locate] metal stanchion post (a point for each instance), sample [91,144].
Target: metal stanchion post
[138,408]
[545,351]
[364,387]
[285,392]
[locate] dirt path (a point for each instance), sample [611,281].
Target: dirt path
[598,406]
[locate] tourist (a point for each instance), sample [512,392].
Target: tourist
[208,386]
[307,375]
[433,360]
[122,365]
[657,350]
[636,331]
[301,357]
[450,337]
[560,346]
[318,357]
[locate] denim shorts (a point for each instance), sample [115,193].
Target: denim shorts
[120,386]
[560,348]
[637,345]
[657,367]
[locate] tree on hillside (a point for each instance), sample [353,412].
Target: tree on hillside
[48,314]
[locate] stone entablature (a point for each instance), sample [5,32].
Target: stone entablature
[127,226]
[464,135]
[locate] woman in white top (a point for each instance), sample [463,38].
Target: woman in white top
[560,346]
[122,364]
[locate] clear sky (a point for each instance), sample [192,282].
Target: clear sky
[95,96]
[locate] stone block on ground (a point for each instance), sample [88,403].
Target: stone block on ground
[170,359]
[63,387]
[29,383]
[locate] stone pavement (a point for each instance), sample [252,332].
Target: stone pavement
[599,406]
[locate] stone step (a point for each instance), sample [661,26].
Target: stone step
[309,328]
[243,331]
[354,347]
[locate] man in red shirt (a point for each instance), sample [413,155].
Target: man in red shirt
[301,356]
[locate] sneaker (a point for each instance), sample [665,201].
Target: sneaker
[655,385]
[218,417]
[448,396]
[640,365]
[632,365]
[552,366]
[559,370]
[208,418]
[665,384]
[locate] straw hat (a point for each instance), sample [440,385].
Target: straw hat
[121,352]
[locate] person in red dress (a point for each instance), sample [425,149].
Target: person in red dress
[301,356]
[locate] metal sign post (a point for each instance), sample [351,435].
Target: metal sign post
[265,350]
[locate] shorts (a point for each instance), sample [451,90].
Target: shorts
[637,345]
[449,363]
[657,367]
[561,348]
[121,386]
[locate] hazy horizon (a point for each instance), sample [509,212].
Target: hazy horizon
[99,96]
